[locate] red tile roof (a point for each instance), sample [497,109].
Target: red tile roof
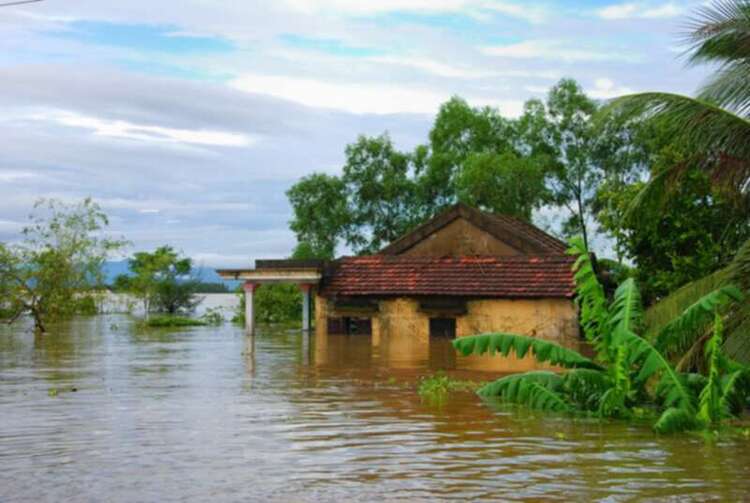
[508,277]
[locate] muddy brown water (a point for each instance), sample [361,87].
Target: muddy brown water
[208,414]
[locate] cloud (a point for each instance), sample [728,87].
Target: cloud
[146,133]
[352,97]
[605,88]
[551,50]
[368,8]
[639,10]
[434,67]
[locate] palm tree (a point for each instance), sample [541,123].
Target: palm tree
[715,122]
[715,125]
[629,371]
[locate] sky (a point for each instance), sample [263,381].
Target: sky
[188,120]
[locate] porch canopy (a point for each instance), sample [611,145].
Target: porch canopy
[305,273]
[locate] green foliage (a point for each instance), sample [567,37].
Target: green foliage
[550,155]
[277,303]
[435,389]
[86,305]
[710,410]
[629,372]
[714,125]
[170,321]
[213,316]
[503,183]
[58,260]
[590,299]
[162,281]
[694,232]
[379,191]
[321,215]
[520,345]
[680,334]
[538,390]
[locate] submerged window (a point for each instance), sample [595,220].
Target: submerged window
[350,326]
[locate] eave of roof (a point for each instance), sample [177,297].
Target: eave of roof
[545,276]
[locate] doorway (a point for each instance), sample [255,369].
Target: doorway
[442,353]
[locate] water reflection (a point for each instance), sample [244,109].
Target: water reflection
[208,413]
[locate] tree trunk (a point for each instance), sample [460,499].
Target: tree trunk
[38,322]
[582,222]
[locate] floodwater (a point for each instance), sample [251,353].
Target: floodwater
[208,414]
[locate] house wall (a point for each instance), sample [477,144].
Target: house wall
[460,238]
[400,332]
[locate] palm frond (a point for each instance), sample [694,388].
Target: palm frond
[674,420]
[681,333]
[737,343]
[739,269]
[729,88]
[590,298]
[721,137]
[667,309]
[720,32]
[538,390]
[542,350]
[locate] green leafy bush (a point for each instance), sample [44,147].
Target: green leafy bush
[174,321]
[628,372]
[435,389]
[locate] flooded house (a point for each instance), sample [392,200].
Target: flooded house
[463,272]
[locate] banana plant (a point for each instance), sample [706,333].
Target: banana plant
[628,371]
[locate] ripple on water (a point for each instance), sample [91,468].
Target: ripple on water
[207,413]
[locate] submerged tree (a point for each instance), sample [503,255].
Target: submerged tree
[59,259]
[628,369]
[162,280]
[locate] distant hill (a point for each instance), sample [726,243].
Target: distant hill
[113,269]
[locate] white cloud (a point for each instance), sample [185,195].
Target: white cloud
[639,10]
[435,67]
[145,133]
[352,97]
[550,49]
[12,176]
[605,88]
[508,108]
[368,8]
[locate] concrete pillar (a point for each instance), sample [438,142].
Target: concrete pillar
[249,315]
[306,290]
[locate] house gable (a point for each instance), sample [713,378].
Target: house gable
[466,231]
[460,238]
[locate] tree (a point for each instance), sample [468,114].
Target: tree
[563,130]
[380,193]
[321,214]
[162,281]
[628,370]
[459,131]
[59,258]
[474,155]
[503,183]
[692,235]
